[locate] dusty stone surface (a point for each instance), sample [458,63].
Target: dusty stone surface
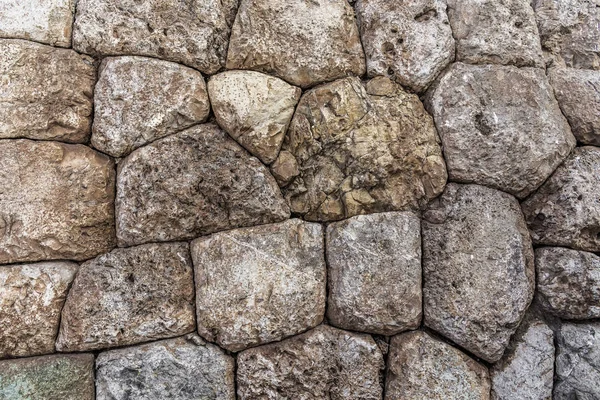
[193,183]
[374,273]
[58,377]
[285,168]
[254,108]
[410,42]
[565,211]
[194,33]
[178,369]
[129,296]
[360,149]
[56,201]
[478,268]
[500,126]
[422,367]
[138,100]
[324,363]
[46,92]
[301,42]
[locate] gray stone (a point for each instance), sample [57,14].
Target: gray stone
[374,273]
[478,268]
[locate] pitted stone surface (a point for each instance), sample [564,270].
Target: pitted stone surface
[500,126]
[56,201]
[129,296]
[193,183]
[138,100]
[301,42]
[46,92]
[478,268]
[375,273]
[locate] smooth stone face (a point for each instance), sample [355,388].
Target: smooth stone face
[375,273]
[254,108]
[178,369]
[565,211]
[478,268]
[421,367]
[194,33]
[410,42]
[361,149]
[500,126]
[301,42]
[56,201]
[138,100]
[193,183]
[129,296]
[324,363]
[46,92]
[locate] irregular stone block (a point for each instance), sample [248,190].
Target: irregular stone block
[138,100]
[481,113]
[324,363]
[176,369]
[478,268]
[304,43]
[46,92]
[56,201]
[254,108]
[361,149]
[374,273]
[193,183]
[129,296]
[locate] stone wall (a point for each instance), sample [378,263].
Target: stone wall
[307,199]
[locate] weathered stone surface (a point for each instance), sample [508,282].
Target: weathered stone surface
[324,363]
[177,369]
[194,33]
[56,201]
[362,149]
[46,92]
[196,182]
[478,268]
[285,168]
[421,367]
[410,42]
[62,377]
[302,42]
[254,108]
[129,296]
[374,273]
[500,126]
[565,210]
[138,100]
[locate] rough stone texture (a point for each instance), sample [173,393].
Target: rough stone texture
[565,211]
[568,282]
[362,149]
[196,182]
[421,367]
[302,42]
[500,126]
[577,362]
[410,42]
[324,363]
[31,299]
[176,369]
[261,284]
[374,273]
[254,108]
[56,201]
[46,92]
[190,32]
[138,100]
[129,296]
[478,268]
[62,377]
